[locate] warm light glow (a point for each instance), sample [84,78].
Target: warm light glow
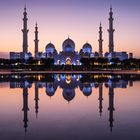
[68,79]
[68,61]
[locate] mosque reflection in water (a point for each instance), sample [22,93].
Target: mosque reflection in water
[68,84]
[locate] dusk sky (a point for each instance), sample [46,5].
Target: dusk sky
[77,18]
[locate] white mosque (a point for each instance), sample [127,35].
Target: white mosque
[68,55]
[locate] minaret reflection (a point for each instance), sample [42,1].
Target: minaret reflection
[25,108]
[100,98]
[36,99]
[111,107]
[131,83]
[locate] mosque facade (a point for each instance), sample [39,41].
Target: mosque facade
[68,55]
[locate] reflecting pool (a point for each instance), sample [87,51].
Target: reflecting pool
[69,107]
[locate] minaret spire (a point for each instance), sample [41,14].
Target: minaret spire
[25,108]
[110,7]
[111,31]
[36,40]
[25,8]
[100,41]
[25,32]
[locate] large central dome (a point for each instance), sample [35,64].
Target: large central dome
[68,45]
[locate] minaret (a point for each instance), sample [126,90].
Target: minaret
[100,98]
[36,41]
[25,108]
[25,32]
[100,41]
[36,99]
[111,32]
[111,107]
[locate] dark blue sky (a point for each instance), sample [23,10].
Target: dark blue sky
[92,3]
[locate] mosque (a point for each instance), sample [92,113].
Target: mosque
[68,55]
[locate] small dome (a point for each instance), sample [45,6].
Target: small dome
[96,54]
[87,45]
[50,48]
[87,91]
[50,89]
[68,45]
[87,48]
[50,45]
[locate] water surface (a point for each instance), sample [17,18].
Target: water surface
[69,107]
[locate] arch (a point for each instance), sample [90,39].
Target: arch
[68,61]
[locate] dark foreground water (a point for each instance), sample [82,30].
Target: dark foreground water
[69,107]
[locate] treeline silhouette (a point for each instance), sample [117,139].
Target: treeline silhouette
[30,64]
[86,64]
[114,63]
[99,78]
[105,77]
